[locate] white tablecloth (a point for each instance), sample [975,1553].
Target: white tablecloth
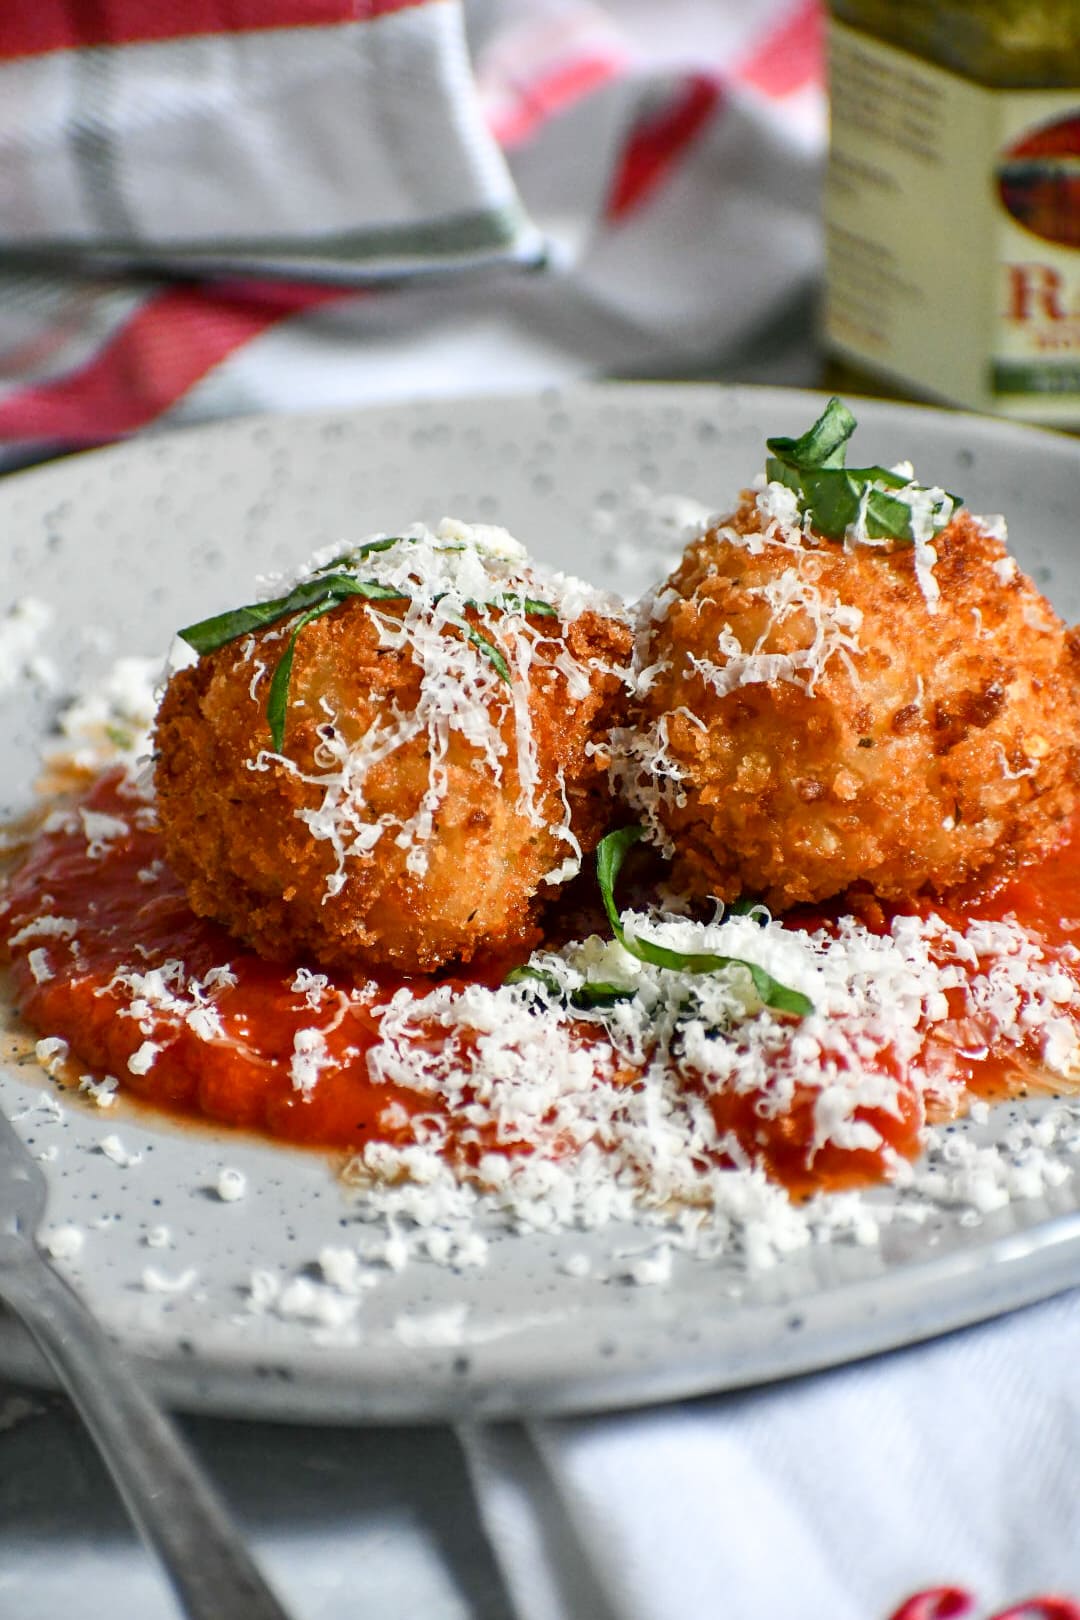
[832,1497]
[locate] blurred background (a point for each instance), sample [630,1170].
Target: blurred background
[213,207]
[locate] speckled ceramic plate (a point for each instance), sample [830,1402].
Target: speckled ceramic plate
[130,542]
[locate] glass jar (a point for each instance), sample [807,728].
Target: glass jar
[953,201]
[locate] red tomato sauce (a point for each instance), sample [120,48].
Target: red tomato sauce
[1044,898]
[124,920]
[127,914]
[780,1145]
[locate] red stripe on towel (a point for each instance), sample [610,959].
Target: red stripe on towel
[658,141]
[537,100]
[145,367]
[937,1603]
[792,56]
[38,26]
[956,1603]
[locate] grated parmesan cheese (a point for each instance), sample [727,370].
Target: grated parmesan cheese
[111,718]
[141,1061]
[40,966]
[51,1052]
[65,1243]
[101,831]
[22,628]
[46,927]
[231,1185]
[103,1092]
[606,1152]
[441,577]
[309,1058]
[113,1149]
[836,626]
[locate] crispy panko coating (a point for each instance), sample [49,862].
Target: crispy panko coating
[813,715]
[416,814]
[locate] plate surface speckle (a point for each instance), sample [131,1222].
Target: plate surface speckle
[128,543]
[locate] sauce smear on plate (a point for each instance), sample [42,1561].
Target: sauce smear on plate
[106,953]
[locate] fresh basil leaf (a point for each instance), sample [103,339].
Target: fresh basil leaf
[833,496]
[830,498]
[355,554]
[278,700]
[891,517]
[210,634]
[821,445]
[492,653]
[594,993]
[311,599]
[525,974]
[779,472]
[585,997]
[528,604]
[610,855]
[887,517]
[611,852]
[879,475]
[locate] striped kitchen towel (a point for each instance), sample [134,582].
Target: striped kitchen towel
[320,140]
[217,206]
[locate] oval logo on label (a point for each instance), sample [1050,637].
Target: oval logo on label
[1038,180]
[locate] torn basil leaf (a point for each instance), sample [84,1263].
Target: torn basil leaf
[610,855]
[822,445]
[278,701]
[313,597]
[330,589]
[527,604]
[355,554]
[493,654]
[584,997]
[836,498]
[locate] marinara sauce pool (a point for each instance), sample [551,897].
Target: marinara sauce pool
[106,954]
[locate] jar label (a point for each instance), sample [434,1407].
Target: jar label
[953,232]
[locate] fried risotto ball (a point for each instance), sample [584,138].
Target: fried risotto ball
[813,714]
[435,784]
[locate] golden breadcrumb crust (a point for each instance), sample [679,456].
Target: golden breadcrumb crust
[937,740]
[231,816]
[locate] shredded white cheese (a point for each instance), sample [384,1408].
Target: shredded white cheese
[622,1129]
[112,718]
[103,1092]
[51,1052]
[22,629]
[441,577]
[231,1185]
[65,1242]
[113,1149]
[40,966]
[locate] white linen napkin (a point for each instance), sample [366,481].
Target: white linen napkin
[829,1497]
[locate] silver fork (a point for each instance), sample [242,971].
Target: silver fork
[177,1512]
